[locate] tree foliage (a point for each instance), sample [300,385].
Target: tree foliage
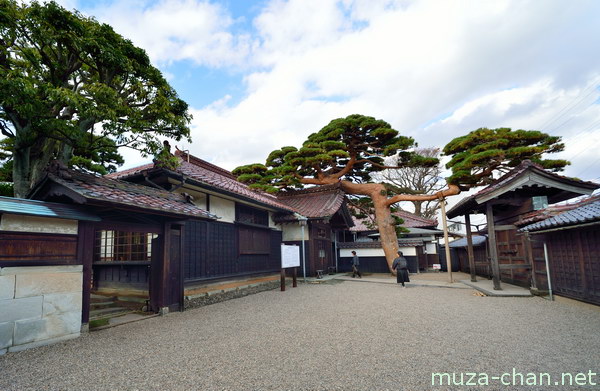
[350,148]
[73,89]
[476,156]
[346,151]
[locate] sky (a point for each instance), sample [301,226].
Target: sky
[259,75]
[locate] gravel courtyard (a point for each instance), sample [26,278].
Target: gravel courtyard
[350,335]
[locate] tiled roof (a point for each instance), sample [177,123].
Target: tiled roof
[211,175]
[552,210]
[478,240]
[127,194]
[587,213]
[314,202]
[469,203]
[22,206]
[408,242]
[411,220]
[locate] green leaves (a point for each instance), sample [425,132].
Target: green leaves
[478,154]
[348,148]
[66,77]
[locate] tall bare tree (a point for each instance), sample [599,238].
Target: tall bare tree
[420,180]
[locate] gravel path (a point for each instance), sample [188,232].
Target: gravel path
[335,336]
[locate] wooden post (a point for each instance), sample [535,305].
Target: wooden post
[493,249]
[470,248]
[85,256]
[294,281]
[282,279]
[445,225]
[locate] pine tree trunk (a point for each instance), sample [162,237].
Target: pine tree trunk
[383,215]
[387,229]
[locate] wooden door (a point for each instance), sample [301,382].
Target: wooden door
[512,257]
[166,280]
[174,287]
[321,247]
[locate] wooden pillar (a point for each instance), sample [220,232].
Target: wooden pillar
[85,256]
[529,252]
[445,225]
[493,248]
[470,248]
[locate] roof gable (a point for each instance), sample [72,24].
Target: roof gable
[87,188]
[208,175]
[523,178]
[589,212]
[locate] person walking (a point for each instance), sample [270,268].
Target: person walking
[355,265]
[400,265]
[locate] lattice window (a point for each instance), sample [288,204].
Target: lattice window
[123,246]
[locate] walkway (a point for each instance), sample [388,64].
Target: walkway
[338,335]
[441,280]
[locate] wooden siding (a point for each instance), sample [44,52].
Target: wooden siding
[512,258]
[121,276]
[574,257]
[211,251]
[37,249]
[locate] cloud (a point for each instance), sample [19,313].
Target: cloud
[434,70]
[175,30]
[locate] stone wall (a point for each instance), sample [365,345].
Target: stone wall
[39,305]
[217,296]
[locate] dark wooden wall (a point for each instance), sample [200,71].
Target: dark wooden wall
[211,251]
[37,249]
[574,258]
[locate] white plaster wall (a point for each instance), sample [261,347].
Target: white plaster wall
[374,252]
[408,251]
[272,224]
[431,248]
[39,305]
[223,208]
[362,252]
[22,223]
[293,232]
[199,198]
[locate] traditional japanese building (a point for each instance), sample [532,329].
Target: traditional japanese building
[512,198]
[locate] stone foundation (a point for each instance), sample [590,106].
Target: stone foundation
[39,305]
[217,296]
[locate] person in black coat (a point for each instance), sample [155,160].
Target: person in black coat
[400,265]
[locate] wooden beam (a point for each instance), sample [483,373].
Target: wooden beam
[514,266]
[470,248]
[493,250]
[506,227]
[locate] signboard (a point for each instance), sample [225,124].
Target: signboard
[290,256]
[437,266]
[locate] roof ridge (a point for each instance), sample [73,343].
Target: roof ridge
[196,161]
[311,190]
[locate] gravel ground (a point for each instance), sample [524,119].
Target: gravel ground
[334,336]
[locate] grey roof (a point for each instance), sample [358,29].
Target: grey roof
[22,206]
[584,214]
[462,242]
[527,178]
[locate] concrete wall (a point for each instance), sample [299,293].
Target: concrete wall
[39,305]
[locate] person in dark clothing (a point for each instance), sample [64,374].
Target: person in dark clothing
[400,265]
[355,265]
